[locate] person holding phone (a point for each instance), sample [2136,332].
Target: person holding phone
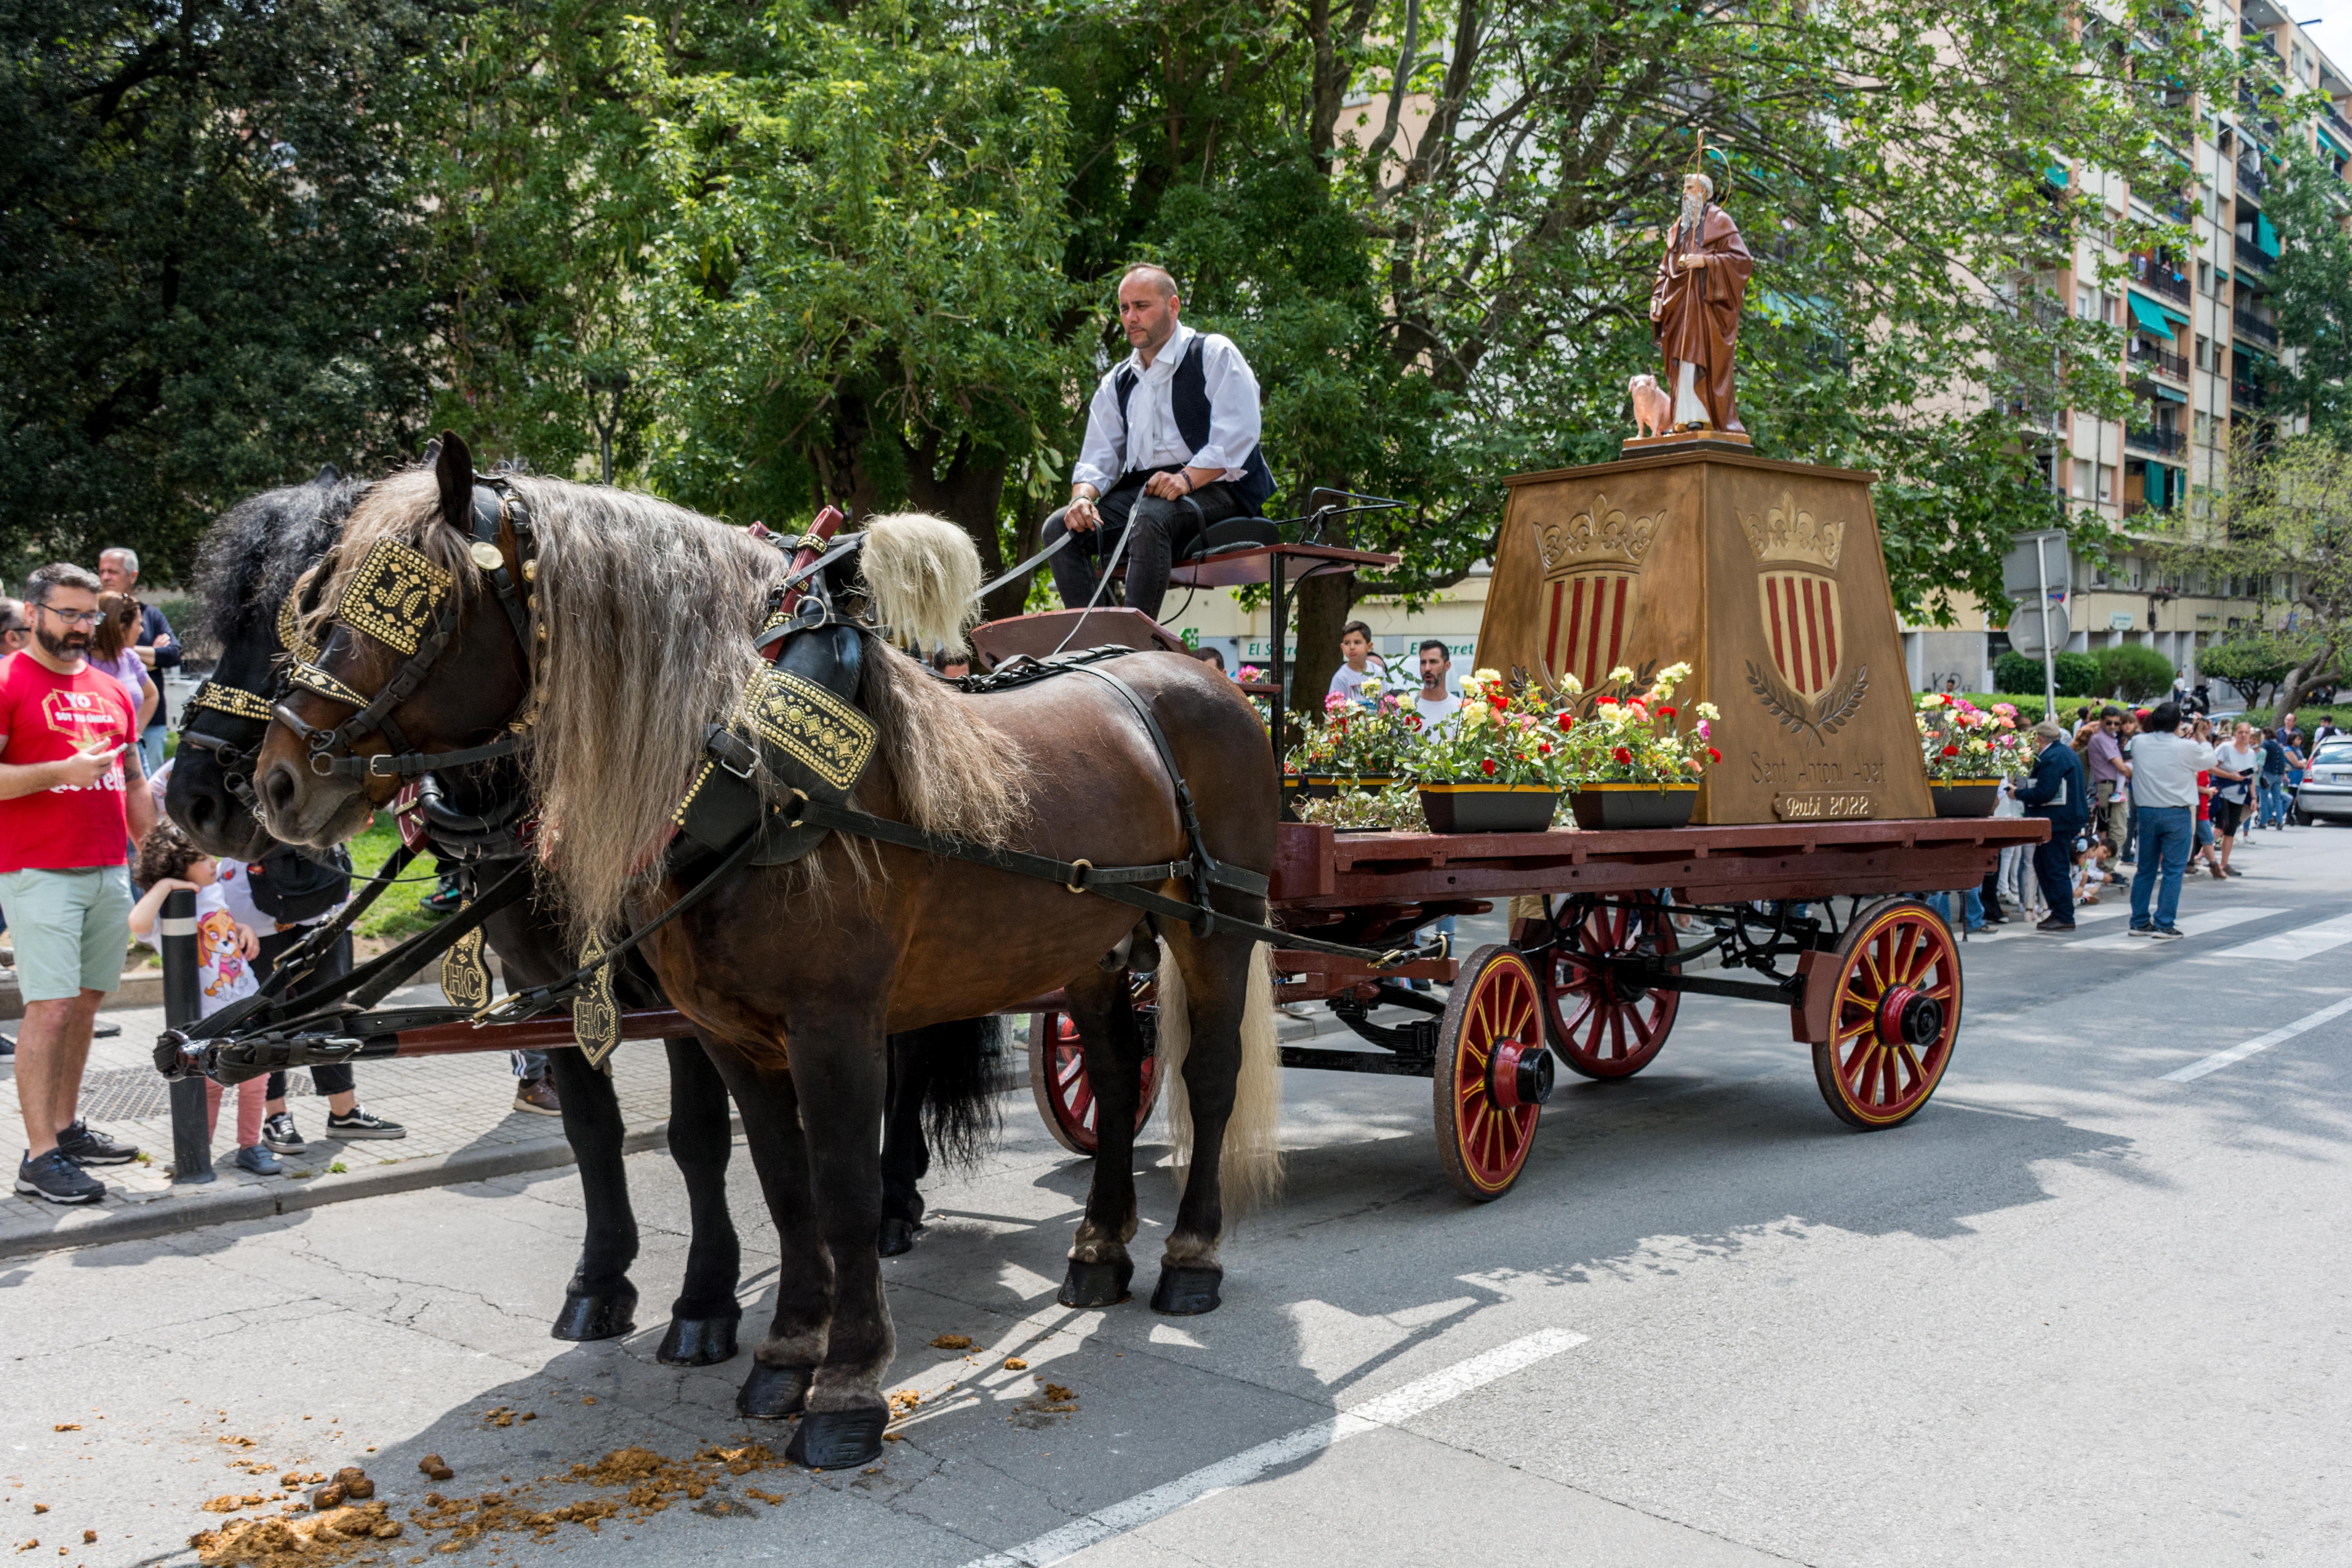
[72,796]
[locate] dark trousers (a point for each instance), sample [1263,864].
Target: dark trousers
[330,1077]
[2053,864]
[1159,529]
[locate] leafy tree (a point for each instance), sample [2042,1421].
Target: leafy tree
[2308,294]
[2249,663]
[2012,671]
[2286,518]
[2134,671]
[206,259]
[855,293]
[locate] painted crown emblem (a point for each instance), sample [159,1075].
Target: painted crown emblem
[1789,532]
[1600,532]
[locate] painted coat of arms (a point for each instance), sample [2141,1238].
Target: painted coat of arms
[1808,687]
[1592,586]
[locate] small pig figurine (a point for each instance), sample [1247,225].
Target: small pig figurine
[1653,410]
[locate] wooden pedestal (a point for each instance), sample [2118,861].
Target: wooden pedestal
[1765,577]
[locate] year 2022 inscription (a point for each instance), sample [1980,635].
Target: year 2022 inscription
[1822,806]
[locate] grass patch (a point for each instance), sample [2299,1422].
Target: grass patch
[399,912]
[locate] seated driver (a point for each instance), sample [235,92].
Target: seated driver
[1172,446]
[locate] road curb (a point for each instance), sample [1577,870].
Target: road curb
[198,1207]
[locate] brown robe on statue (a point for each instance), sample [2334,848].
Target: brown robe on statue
[1694,310]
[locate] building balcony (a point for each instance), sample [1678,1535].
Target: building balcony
[2251,255]
[2162,279]
[2163,442]
[2251,182]
[2249,325]
[2245,394]
[2156,362]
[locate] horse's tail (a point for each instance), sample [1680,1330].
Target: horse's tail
[961,1116]
[1250,1172]
[924,575]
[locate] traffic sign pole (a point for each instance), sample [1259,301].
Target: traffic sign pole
[2049,655]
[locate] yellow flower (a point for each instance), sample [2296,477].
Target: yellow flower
[1708,711]
[1571,685]
[1674,672]
[1622,673]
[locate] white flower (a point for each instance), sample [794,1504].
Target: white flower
[1624,672]
[1709,712]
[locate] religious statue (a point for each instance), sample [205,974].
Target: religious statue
[1694,310]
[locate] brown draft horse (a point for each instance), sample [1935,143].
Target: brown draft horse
[795,975]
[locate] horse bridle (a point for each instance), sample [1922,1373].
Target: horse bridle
[402,598]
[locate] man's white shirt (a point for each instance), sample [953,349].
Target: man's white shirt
[1148,436]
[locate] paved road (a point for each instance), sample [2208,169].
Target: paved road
[2076,1312]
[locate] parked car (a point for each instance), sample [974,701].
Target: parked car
[2325,794]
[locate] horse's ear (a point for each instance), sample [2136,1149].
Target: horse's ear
[327,475]
[454,469]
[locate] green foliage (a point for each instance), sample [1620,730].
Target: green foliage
[2016,673]
[2077,674]
[207,268]
[2308,294]
[2134,672]
[2254,661]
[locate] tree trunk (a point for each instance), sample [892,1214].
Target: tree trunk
[1322,605]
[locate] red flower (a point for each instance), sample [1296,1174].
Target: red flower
[1566,723]
[1714,753]
[1499,701]
[1665,712]
[1608,702]
[1623,756]
[1487,767]
[1951,751]
[1545,747]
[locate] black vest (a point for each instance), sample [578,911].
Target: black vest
[1188,399]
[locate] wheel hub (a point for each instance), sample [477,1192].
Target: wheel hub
[1519,1074]
[1905,1015]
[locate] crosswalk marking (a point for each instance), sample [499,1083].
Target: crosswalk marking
[2191,925]
[2277,1036]
[2304,942]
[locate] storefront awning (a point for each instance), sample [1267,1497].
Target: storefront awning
[2166,393]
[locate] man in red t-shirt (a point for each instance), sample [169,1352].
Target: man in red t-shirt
[71,795]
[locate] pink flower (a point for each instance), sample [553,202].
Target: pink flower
[1333,703]
[1703,732]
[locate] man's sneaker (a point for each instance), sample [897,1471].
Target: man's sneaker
[537,1095]
[2168,934]
[253,1157]
[7,1045]
[280,1135]
[2053,923]
[2143,931]
[358,1124]
[58,1180]
[83,1147]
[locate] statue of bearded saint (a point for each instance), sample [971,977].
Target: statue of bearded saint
[1695,308]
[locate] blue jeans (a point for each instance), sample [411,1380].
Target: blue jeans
[2164,834]
[2273,801]
[150,750]
[1971,907]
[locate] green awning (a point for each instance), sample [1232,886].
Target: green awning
[2166,393]
[2266,239]
[2056,174]
[2151,317]
[2330,141]
[2220,275]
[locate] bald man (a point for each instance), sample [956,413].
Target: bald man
[1172,446]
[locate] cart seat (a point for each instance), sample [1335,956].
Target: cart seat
[1049,631]
[1234,533]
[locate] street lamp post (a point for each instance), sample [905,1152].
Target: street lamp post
[611,385]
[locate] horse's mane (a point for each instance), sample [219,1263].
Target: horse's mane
[253,555]
[649,609]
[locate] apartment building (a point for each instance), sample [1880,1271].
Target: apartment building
[2199,329]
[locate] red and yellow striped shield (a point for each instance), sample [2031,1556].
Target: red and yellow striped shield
[1804,627]
[1587,618]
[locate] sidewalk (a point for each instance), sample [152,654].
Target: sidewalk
[458,1110]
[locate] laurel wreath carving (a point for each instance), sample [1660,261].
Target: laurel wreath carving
[1821,718]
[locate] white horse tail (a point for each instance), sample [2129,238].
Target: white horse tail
[1250,1172]
[923,571]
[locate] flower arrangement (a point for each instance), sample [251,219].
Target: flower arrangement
[1961,741]
[1505,733]
[1634,733]
[1397,806]
[1357,742]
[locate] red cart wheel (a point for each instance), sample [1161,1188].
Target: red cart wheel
[1492,1073]
[1896,1016]
[1601,1024]
[1057,1077]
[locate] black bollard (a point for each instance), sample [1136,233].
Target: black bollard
[176,939]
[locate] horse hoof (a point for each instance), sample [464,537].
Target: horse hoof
[698,1342]
[596,1317]
[1186,1289]
[838,1439]
[1095,1284]
[772,1393]
[898,1236]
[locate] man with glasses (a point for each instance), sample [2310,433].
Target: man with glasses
[72,793]
[158,649]
[2110,778]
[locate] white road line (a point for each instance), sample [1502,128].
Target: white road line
[2299,943]
[2279,1036]
[2193,925]
[1390,1409]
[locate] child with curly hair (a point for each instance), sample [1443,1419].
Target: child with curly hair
[226,948]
